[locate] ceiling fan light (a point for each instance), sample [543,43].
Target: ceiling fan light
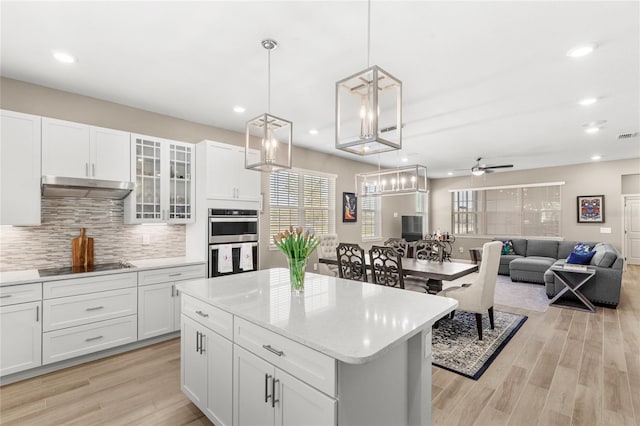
[477,172]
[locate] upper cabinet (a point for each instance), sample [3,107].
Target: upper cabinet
[163,171]
[82,151]
[19,169]
[227,179]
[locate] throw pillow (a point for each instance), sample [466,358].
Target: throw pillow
[582,248]
[580,258]
[507,247]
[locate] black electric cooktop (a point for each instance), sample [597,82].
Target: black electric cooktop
[68,270]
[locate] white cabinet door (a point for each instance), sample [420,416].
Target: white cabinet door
[219,378]
[246,181]
[156,310]
[221,167]
[65,148]
[180,186]
[300,404]
[20,169]
[193,377]
[21,337]
[110,154]
[252,379]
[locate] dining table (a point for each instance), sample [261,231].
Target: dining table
[433,272]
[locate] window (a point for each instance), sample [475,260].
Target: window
[532,210]
[301,198]
[370,218]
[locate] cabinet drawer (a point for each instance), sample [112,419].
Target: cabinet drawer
[87,308]
[76,286]
[14,294]
[178,273]
[302,362]
[84,339]
[211,317]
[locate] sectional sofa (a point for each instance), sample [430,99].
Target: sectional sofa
[532,259]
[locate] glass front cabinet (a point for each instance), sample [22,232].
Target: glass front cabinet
[164,172]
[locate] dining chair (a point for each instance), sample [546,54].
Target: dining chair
[477,297]
[351,263]
[400,245]
[327,248]
[386,266]
[428,250]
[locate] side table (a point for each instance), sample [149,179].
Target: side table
[573,279]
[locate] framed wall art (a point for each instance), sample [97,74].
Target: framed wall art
[349,207]
[590,209]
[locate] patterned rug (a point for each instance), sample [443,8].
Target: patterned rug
[456,346]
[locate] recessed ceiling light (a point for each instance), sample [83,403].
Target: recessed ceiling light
[596,157]
[366,148]
[581,50]
[64,57]
[404,159]
[450,173]
[313,132]
[239,109]
[592,130]
[588,101]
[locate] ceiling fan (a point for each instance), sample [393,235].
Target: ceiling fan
[480,169]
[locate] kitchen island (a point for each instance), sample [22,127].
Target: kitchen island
[344,352]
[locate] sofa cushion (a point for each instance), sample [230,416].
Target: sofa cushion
[604,256]
[542,248]
[566,247]
[519,244]
[505,259]
[532,264]
[580,258]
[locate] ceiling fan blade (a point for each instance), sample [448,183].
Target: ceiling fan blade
[502,166]
[488,170]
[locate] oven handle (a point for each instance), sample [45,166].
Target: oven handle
[215,246]
[232,219]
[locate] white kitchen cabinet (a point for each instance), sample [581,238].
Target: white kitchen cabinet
[20,169]
[21,337]
[227,178]
[159,300]
[266,395]
[165,188]
[81,151]
[206,375]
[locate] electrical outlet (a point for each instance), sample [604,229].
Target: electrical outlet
[461,249]
[146,239]
[605,230]
[395,214]
[315,266]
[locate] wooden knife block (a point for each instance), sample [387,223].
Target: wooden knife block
[82,250]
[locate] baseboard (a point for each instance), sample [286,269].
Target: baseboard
[38,371]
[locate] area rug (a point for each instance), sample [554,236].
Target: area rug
[456,346]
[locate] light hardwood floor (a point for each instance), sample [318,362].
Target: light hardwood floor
[563,367]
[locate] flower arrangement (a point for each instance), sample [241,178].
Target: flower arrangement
[297,246]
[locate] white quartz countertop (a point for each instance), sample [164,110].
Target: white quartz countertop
[351,321]
[32,275]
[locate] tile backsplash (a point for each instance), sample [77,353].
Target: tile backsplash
[49,245]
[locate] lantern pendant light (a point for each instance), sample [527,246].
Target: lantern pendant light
[268,138]
[369,109]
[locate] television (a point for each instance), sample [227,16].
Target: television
[412,228]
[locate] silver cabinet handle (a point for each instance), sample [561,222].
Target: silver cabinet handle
[202,314]
[93,169]
[86,169]
[37,313]
[202,348]
[175,275]
[273,393]
[177,292]
[93,338]
[198,341]
[266,387]
[5,296]
[95,308]
[173,290]
[273,350]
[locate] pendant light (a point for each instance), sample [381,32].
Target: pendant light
[369,108]
[398,181]
[268,138]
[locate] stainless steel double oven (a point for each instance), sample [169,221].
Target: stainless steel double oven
[235,228]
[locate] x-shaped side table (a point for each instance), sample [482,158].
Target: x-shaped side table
[573,279]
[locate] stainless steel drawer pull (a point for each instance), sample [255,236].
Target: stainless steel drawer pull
[86,169]
[175,275]
[202,314]
[95,308]
[273,393]
[272,350]
[38,313]
[93,169]
[266,387]
[5,296]
[93,338]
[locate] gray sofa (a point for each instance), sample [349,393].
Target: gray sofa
[533,258]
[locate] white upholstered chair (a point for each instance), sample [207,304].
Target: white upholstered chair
[477,297]
[327,248]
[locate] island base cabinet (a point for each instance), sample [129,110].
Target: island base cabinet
[207,371]
[266,395]
[20,341]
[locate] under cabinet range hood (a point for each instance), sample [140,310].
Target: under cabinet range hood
[55,186]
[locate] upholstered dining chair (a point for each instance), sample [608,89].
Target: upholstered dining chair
[327,248]
[351,263]
[477,297]
[400,245]
[386,266]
